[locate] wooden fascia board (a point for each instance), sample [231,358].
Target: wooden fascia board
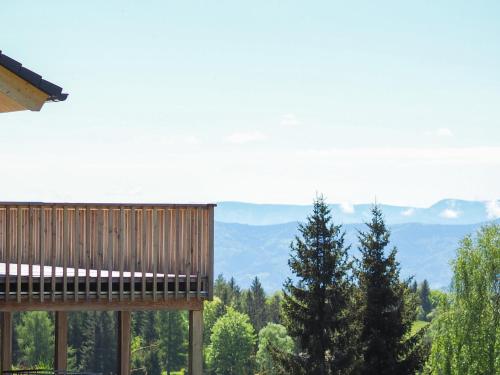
[20,91]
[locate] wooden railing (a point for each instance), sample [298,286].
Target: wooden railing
[105,250]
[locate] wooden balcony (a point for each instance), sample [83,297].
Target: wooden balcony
[105,256]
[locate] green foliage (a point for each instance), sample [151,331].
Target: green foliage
[389,307]
[318,309]
[274,307]
[212,311]
[35,337]
[466,330]
[425,302]
[172,332]
[255,305]
[232,345]
[98,350]
[272,337]
[229,292]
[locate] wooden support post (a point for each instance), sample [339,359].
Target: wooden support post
[61,342]
[124,320]
[6,344]
[195,342]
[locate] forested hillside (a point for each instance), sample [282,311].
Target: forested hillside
[245,251]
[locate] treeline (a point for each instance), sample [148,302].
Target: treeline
[337,315]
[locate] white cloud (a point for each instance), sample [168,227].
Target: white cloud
[449,155]
[289,120]
[440,132]
[240,138]
[408,212]
[347,208]
[450,213]
[493,209]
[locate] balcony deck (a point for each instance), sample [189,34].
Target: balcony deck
[104,256]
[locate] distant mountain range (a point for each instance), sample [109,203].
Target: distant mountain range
[253,240]
[448,211]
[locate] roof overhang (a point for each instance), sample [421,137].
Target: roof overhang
[21,89]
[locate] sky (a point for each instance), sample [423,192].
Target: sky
[256,101]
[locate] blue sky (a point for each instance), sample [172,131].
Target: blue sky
[260,101]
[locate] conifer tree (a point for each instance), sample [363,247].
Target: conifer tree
[388,307]
[318,308]
[255,305]
[172,333]
[425,301]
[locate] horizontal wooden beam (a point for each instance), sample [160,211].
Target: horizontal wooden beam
[19,91]
[102,305]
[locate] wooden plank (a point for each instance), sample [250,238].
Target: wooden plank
[19,243]
[20,91]
[144,250]
[121,250]
[54,249]
[210,259]
[110,253]
[195,359]
[43,249]
[100,250]
[78,249]
[189,248]
[178,244]
[167,249]
[198,285]
[133,251]
[31,234]
[61,341]
[8,241]
[155,244]
[124,342]
[6,340]
[65,249]
[87,252]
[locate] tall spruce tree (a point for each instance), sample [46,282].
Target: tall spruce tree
[388,307]
[255,305]
[318,308]
[425,301]
[172,332]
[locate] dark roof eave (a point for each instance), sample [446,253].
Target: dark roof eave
[53,91]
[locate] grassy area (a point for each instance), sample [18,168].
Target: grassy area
[174,372]
[417,326]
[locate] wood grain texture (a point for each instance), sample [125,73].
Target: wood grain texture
[145,242]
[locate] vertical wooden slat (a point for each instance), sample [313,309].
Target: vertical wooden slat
[144,254]
[43,248]
[87,252]
[65,250]
[54,249]
[178,244]
[110,253]
[199,218]
[133,251]
[100,246]
[20,236]
[189,250]
[78,247]
[166,249]
[121,249]
[8,241]
[31,234]
[210,259]
[155,244]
